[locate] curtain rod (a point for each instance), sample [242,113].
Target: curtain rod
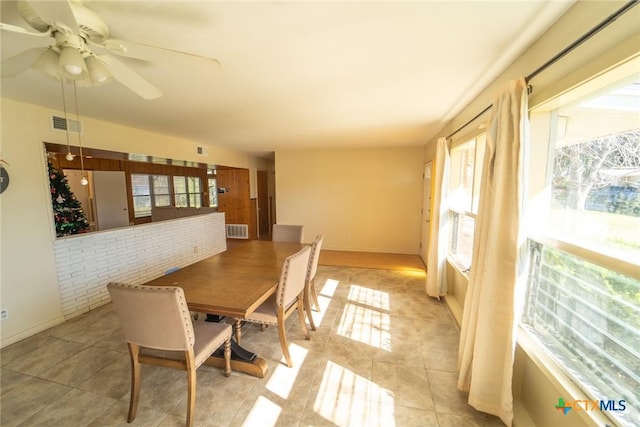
[602,25]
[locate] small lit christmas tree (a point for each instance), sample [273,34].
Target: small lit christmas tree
[67,210]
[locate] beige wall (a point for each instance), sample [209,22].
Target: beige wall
[359,199]
[28,287]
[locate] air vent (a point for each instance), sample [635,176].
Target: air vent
[237,231]
[201,151]
[60,123]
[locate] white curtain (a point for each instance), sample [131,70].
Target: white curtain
[436,285]
[487,339]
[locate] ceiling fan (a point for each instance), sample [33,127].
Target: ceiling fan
[71,35]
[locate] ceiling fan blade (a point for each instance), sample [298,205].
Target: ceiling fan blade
[145,51]
[57,14]
[16,64]
[129,78]
[20,30]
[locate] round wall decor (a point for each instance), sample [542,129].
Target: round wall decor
[4,179]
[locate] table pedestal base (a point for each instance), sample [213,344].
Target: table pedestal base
[242,360]
[257,368]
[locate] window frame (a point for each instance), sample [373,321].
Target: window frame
[189,191]
[152,193]
[212,185]
[189,194]
[458,212]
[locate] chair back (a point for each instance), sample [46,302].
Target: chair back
[292,277]
[314,257]
[287,233]
[153,316]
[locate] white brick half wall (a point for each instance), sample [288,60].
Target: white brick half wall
[86,263]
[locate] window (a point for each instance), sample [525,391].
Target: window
[148,191]
[141,195]
[187,191]
[156,190]
[194,188]
[213,192]
[161,190]
[583,300]
[464,192]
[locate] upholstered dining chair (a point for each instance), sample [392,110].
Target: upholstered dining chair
[310,294]
[288,298]
[159,331]
[287,233]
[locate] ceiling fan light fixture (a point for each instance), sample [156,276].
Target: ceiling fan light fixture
[97,71]
[48,62]
[72,63]
[87,82]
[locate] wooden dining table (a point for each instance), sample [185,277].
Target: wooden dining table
[233,284]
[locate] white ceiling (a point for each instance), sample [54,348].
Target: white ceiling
[297,74]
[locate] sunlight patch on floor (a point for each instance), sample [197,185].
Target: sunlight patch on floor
[366,325]
[329,288]
[413,272]
[282,380]
[343,397]
[263,413]
[324,303]
[325,294]
[371,297]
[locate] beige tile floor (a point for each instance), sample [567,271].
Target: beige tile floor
[383,355]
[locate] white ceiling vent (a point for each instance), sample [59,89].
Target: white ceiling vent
[202,151]
[60,123]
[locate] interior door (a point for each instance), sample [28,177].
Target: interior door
[426,212]
[263,202]
[110,194]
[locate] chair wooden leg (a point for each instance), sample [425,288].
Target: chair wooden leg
[191,387]
[307,308]
[314,294]
[283,341]
[227,357]
[134,352]
[300,310]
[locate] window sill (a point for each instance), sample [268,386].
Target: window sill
[456,265]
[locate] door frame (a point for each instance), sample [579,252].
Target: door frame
[263,205]
[427,191]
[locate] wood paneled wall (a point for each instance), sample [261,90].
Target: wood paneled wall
[253,222]
[236,202]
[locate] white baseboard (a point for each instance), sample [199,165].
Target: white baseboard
[31,331]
